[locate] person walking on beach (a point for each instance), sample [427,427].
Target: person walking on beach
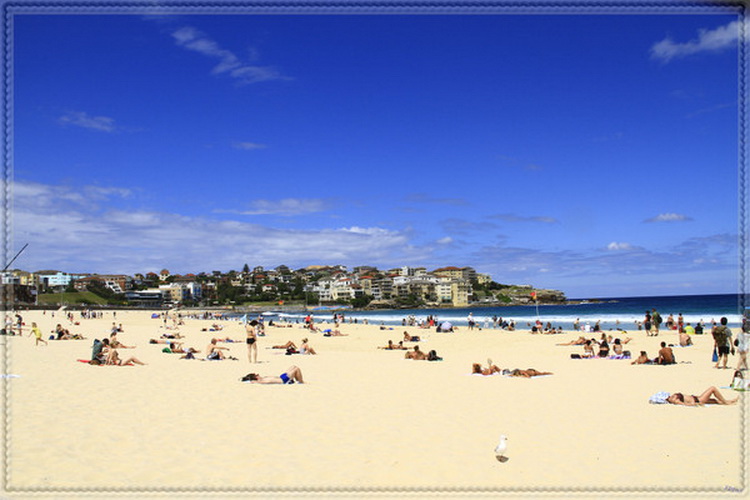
[656,319]
[722,338]
[37,333]
[252,338]
[647,323]
[743,342]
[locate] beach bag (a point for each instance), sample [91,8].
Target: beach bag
[715,357]
[738,382]
[659,398]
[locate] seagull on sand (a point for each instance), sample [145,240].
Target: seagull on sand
[501,448]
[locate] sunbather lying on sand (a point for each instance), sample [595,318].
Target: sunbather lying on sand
[288,345]
[392,346]
[291,375]
[410,338]
[491,369]
[531,372]
[709,396]
[579,341]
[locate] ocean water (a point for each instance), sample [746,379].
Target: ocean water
[613,313]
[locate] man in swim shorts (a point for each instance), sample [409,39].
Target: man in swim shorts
[291,375]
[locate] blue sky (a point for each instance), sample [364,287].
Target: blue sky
[589,153]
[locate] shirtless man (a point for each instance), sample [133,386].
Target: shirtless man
[666,356]
[214,352]
[416,354]
[291,375]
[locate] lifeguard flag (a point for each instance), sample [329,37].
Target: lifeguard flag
[281,302]
[533,295]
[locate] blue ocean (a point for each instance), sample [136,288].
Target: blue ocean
[612,313]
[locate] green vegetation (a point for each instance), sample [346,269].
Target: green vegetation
[70,298]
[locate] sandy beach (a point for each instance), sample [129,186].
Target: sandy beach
[366,421]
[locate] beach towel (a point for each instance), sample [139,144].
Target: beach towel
[659,398]
[10,375]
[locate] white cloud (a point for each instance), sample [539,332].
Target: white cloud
[248,145]
[617,247]
[192,39]
[82,119]
[287,207]
[714,40]
[445,241]
[669,217]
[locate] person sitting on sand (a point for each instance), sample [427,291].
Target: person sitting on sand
[416,354]
[617,346]
[291,375]
[531,372]
[305,348]
[603,348]
[588,349]
[62,333]
[392,346]
[643,359]
[213,352]
[37,333]
[666,355]
[685,339]
[99,352]
[114,359]
[710,396]
[410,338]
[491,369]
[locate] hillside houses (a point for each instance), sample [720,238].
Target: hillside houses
[400,286]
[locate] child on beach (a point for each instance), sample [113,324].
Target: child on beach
[37,333]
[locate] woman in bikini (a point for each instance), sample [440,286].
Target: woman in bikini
[252,338]
[709,396]
[531,372]
[491,369]
[114,359]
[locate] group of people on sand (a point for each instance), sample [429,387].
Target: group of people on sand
[105,353]
[665,357]
[593,348]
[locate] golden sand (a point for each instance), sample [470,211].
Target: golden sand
[366,421]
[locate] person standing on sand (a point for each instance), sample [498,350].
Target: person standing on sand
[722,335]
[252,338]
[647,323]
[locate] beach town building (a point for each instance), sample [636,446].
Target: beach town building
[118,283]
[175,292]
[164,275]
[55,279]
[9,278]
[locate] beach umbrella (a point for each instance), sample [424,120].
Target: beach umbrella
[446,325]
